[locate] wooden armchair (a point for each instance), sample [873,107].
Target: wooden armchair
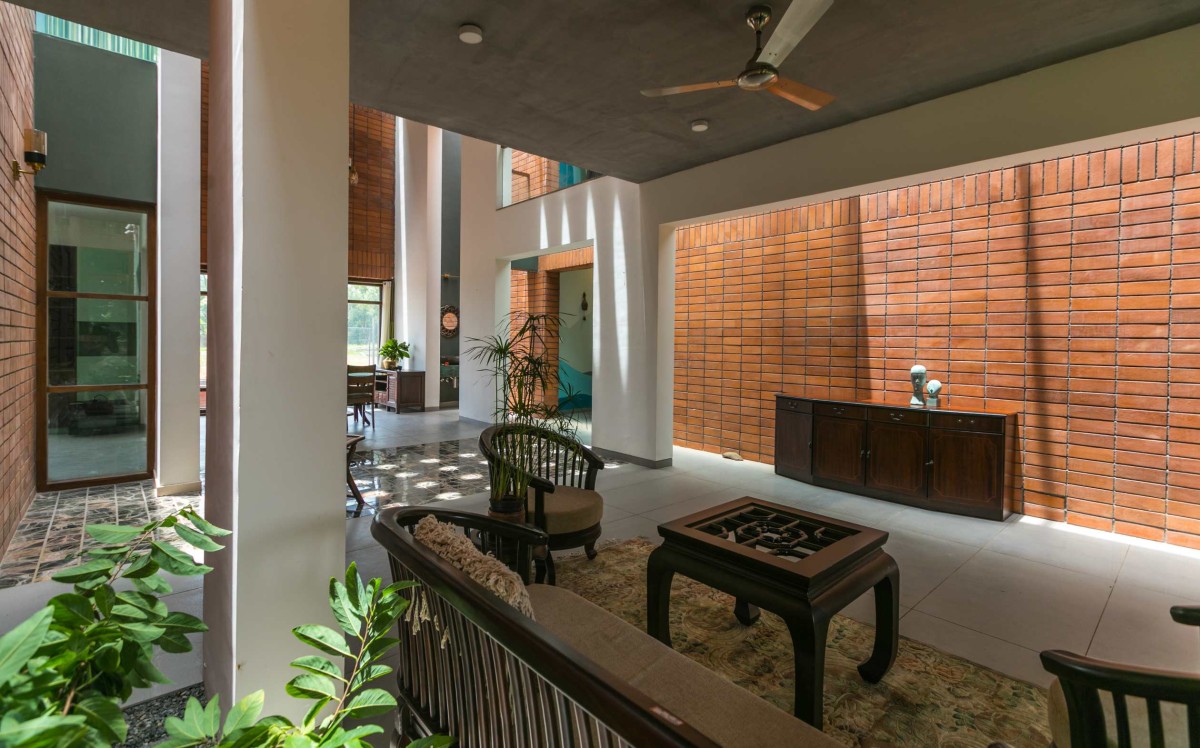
[1080,718]
[561,467]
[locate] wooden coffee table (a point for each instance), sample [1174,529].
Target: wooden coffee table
[803,567]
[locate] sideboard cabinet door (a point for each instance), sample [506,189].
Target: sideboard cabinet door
[793,437]
[967,469]
[838,449]
[896,458]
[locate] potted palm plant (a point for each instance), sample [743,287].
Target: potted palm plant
[526,383]
[393,352]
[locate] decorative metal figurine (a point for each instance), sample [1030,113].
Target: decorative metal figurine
[917,375]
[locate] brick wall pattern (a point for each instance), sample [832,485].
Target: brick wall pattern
[532,176]
[17,278]
[1069,288]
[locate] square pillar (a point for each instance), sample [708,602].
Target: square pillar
[178,427]
[277,220]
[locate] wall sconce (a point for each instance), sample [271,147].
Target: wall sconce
[583,306]
[35,153]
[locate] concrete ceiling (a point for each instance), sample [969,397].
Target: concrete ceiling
[562,80]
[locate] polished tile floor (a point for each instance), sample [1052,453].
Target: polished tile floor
[994,593]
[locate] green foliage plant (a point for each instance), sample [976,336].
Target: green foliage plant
[394,351]
[65,670]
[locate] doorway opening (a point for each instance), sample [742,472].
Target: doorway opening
[561,284]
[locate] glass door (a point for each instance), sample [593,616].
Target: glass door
[95,342]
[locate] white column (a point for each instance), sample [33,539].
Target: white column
[419,248]
[178,413]
[279,81]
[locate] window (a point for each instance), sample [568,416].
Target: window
[364,313]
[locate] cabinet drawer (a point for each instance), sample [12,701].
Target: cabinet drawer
[840,410]
[898,415]
[966,422]
[794,405]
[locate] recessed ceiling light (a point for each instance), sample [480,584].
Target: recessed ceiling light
[699,125]
[469,33]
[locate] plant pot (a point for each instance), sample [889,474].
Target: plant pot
[389,364]
[507,508]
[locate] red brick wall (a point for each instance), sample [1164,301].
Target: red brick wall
[372,231]
[17,280]
[1031,286]
[532,176]
[373,199]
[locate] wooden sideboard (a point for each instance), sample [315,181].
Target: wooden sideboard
[400,389]
[955,461]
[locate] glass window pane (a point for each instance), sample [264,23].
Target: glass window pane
[97,341]
[203,340]
[364,292]
[95,434]
[204,283]
[96,250]
[362,334]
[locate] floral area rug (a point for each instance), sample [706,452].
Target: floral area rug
[928,698]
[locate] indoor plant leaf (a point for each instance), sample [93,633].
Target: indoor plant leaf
[176,561]
[310,686]
[196,538]
[244,713]
[323,638]
[318,665]
[113,533]
[343,610]
[105,715]
[369,703]
[20,644]
[99,567]
[204,525]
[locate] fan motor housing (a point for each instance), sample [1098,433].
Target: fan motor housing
[757,76]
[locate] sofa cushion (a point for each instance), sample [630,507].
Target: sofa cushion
[457,549]
[569,509]
[725,712]
[1175,726]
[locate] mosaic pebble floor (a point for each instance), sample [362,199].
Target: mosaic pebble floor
[51,535]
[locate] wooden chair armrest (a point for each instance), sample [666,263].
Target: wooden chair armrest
[470,521]
[1132,680]
[1186,614]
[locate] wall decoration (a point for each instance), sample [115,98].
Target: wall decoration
[449,321]
[933,388]
[917,375]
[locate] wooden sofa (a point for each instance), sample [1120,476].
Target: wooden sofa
[482,672]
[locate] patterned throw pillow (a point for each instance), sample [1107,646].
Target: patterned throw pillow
[446,541]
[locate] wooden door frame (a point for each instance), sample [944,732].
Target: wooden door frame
[41,337]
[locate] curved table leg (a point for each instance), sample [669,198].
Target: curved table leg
[808,642]
[887,626]
[658,597]
[745,612]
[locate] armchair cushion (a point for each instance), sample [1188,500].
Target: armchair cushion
[568,509]
[457,549]
[1175,727]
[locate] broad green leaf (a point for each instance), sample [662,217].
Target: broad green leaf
[368,674]
[298,741]
[129,612]
[433,741]
[112,534]
[140,632]
[314,711]
[13,732]
[198,539]
[184,728]
[184,622]
[194,719]
[152,584]
[378,647]
[323,638]
[142,566]
[204,525]
[18,645]
[174,642]
[318,665]
[243,713]
[105,598]
[149,603]
[343,610]
[310,686]
[99,567]
[73,610]
[353,587]
[104,714]
[254,736]
[212,716]
[176,561]
[369,703]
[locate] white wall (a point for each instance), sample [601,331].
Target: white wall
[178,428]
[604,212]
[1120,95]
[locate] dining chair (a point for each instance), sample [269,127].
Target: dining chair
[360,391]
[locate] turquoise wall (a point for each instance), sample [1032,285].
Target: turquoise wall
[100,113]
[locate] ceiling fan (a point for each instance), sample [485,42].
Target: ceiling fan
[762,70]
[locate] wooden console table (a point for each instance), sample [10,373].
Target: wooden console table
[950,460]
[400,389]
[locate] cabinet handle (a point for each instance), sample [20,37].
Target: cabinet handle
[929,464]
[810,445]
[868,454]
[839,411]
[897,416]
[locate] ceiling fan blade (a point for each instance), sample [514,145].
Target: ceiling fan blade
[798,93]
[797,21]
[672,90]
